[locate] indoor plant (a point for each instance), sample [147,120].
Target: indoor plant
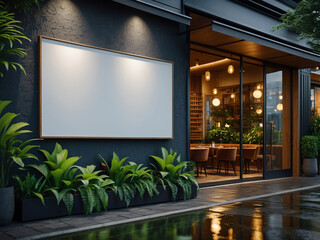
[12,151]
[309,151]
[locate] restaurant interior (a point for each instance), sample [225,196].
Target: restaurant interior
[216,110]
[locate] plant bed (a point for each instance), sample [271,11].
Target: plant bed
[33,209]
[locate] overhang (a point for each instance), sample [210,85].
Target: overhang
[157,9]
[233,39]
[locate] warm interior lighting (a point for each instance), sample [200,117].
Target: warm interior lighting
[280,97]
[259,111]
[257,93]
[208,65]
[230,69]
[197,62]
[258,86]
[232,95]
[280,107]
[227,125]
[216,102]
[260,124]
[214,91]
[317,68]
[207,76]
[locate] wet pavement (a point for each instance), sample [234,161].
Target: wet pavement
[247,210]
[287,216]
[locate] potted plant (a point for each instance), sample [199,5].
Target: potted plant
[309,147]
[12,153]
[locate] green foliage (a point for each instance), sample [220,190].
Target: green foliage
[25,5]
[12,150]
[92,188]
[142,180]
[59,172]
[119,173]
[222,135]
[129,178]
[30,187]
[315,126]
[10,37]
[276,136]
[309,147]
[254,135]
[173,173]
[304,20]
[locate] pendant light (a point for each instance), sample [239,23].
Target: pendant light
[214,91]
[280,107]
[216,102]
[230,68]
[197,62]
[207,76]
[257,93]
[232,95]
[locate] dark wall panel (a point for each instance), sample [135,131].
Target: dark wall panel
[108,25]
[305,103]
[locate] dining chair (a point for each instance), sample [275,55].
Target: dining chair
[200,156]
[250,154]
[226,155]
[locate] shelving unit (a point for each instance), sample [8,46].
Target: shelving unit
[196,117]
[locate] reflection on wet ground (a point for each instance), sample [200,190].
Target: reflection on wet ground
[288,216]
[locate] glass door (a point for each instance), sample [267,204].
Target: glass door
[277,122]
[252,139]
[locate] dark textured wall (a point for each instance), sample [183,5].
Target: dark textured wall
[108,25]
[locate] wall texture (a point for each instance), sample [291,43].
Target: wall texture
[108,25]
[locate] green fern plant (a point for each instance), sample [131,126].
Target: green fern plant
[142,180]
[59,172]
[25,5]
[30,187]
[12,150]
[119,173]
[10,35]
[92,188]
[174,174]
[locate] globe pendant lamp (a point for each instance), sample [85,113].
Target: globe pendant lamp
[230,69]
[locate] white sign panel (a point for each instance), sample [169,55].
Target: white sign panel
[88,92]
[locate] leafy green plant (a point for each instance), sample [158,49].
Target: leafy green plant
[222,135]
[92,188]
[30,187]
[12,150]
[254,135]
[309,146]
[59,172]
[173,173]
[142,180]
[304,20]
[119,173]
[25,5]
[315,126]
[129,178]
[10,36]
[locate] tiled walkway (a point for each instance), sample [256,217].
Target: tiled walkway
[207,197]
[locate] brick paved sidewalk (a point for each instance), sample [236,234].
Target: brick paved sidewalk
[207,197]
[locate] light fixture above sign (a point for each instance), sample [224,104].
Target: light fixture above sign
[207,76]
[216,102]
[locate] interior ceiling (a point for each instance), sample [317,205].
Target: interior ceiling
[204,39]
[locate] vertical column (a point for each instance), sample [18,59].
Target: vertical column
[296,124]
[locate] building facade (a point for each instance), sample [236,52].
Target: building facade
[190,34]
